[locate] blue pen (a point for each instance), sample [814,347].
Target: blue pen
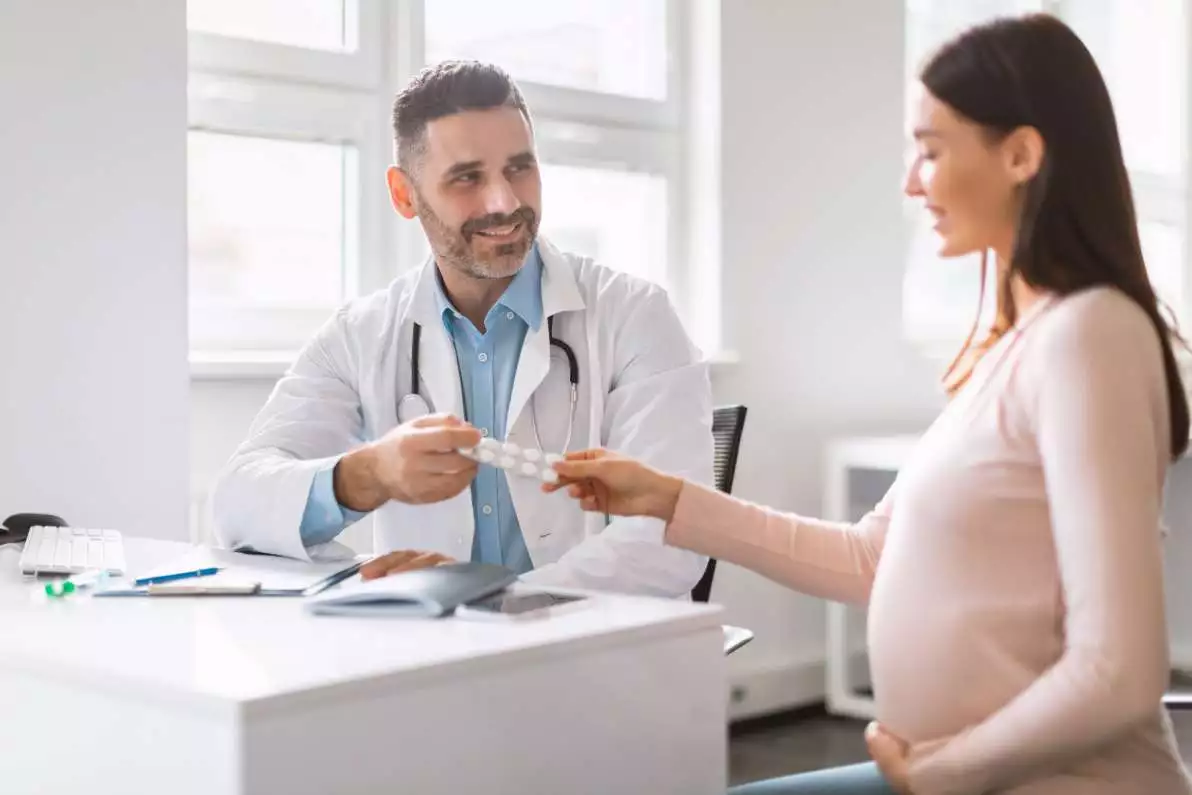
[182,575]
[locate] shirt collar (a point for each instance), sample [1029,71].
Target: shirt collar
[523,296]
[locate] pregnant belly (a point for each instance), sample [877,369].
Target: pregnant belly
[938,668]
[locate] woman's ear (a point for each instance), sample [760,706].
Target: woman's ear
[1023,151]
[401,192]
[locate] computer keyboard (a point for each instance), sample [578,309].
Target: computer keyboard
[72,550]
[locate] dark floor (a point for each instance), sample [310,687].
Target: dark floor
[810,739]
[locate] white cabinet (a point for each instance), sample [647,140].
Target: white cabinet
[859,471]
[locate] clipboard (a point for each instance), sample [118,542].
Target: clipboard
[186,589]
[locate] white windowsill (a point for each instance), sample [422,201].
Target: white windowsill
[239,365]
[271,365]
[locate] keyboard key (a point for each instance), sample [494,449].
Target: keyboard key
[95,554]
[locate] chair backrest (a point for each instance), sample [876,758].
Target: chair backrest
[728,425]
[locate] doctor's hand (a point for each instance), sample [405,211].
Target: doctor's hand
[605,482]
[402,560]
[416,463]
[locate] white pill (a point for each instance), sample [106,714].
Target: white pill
[485,456]
[512,449]
[553,458]
[529,469]
[549,476]
[506,462]
[532,455]
[490,444]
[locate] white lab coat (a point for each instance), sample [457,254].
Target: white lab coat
[644,391]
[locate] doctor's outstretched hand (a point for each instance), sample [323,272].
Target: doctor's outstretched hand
[418,462]
[605,482]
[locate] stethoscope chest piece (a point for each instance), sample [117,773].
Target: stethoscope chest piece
[411,407]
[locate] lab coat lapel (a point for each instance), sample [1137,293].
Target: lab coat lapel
[560,293]
[438,367]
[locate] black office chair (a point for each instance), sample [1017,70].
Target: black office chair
[728,424]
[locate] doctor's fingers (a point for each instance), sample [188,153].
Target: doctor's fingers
[437,421]
[452,463]
[444,439]
[402,560]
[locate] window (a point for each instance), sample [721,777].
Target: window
[1142,49]
[317,24]
[290,137]
[633,235]
[607,46]
[268,221]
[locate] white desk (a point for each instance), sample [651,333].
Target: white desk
[238,695]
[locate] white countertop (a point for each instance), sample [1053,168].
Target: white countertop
[261,653]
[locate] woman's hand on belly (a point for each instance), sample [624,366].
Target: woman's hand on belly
[891,754]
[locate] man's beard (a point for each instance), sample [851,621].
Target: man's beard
[453,249]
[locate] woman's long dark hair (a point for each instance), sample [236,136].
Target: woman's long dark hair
[1077,227]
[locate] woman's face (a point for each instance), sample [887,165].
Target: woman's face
[967,180]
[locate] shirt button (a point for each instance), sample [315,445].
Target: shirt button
[483,357]
[484,432]
[487,510]
[509,316]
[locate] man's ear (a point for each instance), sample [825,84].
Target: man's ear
[1024,150]
[401,192]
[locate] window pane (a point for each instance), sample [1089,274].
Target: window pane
[1161,248]
[940,295]
[267,231]
[930,23]
[612,46]
[315,24]
[1140,47]
[619,218]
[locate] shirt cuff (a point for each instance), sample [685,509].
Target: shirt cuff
[324,518]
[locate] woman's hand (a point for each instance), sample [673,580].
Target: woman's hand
[604,482]
[891,754]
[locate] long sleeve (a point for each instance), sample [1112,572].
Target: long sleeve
[1100,419]
[311,419]
[830,560]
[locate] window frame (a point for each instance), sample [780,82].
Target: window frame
[359,67]
[259,88]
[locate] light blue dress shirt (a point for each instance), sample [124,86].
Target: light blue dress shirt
[487,365]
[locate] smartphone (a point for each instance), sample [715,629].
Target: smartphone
[513,606]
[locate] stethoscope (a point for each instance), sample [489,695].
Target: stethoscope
[413,405]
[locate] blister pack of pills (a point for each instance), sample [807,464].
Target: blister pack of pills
[513,458]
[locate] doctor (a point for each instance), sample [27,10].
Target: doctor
[499,334]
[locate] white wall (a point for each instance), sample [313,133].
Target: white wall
[93,372]
[812,156]
[812,256]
